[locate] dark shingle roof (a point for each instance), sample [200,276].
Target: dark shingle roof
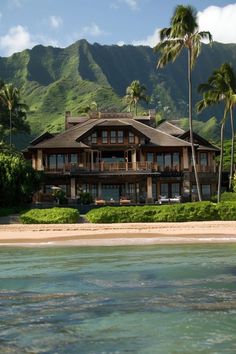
[72,137]
[169,128]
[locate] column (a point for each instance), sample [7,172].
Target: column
[149,189]
[99,190]
[72,188]
[185,158]
[134,159]
[92,167]
[40,160]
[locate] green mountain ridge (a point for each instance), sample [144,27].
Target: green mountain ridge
[54,80]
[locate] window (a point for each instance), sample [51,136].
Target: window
[60,161]
[120,136]
[142,141]
[150,157]
[203,159]
[73,158]
[104,137]
[94,138]
[52,161]
[167,160]
[113,137]
[176,160]
[206,190]
[131,137]
[160,160]
[175,190]
[164,190]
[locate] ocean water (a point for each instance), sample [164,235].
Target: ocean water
[152,299]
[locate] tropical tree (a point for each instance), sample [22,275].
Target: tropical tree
[183,34]
[135,92]
[221,87]
[10,100]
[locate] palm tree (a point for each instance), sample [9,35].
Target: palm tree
[10,98]
[221,87]
[183,33]
[135,93]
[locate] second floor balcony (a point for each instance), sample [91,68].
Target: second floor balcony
[122,167]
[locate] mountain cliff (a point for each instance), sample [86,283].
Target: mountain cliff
[53,80]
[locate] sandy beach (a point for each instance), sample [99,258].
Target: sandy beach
[118,234]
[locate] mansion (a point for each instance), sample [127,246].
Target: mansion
[119,157]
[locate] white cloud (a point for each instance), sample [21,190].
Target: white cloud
[151,40]
[55,21]
[220,21]
[120,43]
[133,4]
[16,40]
[92,30]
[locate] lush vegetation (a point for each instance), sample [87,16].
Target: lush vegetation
[18,180]
[50,216]
[200,211]
[53,80]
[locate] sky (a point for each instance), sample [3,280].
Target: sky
[26,23]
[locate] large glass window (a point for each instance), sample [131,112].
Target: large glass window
[94,138]
[73,158]
[150,157]
[60,161]
[176,160]
[175,190]
[160,160]
[164,190]
[167,159]
[120,136]
[203,159]
[52,161]
[104,137]
[206,190]
[113,137]
[131,137]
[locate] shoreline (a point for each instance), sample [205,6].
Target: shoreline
[201,232]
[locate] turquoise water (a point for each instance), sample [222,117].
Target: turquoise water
[157,299]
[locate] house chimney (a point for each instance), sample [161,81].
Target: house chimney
[67,114]
[152,115]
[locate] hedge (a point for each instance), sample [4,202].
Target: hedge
[50,216]
[200,211]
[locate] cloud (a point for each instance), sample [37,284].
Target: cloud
[55,21]
[120,43]
[151,40]
[92,30]
[133,4]
[220,21]
[16,40]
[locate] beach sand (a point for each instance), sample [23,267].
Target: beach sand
[118,234]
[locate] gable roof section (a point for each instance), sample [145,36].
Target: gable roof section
[169,128]
[71,138]
[203,143]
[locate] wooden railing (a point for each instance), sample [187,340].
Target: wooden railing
[201,168]
[114,167]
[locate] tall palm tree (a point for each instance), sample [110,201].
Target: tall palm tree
[183,34]
[10,98]
[220,87]
[135,92]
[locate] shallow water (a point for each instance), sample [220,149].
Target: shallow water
[155,299]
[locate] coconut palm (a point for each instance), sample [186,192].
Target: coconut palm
[183,34]
[220,87]
[135,93]
[10,98]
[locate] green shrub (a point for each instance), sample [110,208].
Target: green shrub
[50,216]
[162,213]
[227,210]
[228,197]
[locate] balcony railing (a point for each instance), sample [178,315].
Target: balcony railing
[113,167]
[201,168]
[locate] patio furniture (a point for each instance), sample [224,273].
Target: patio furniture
[100,202]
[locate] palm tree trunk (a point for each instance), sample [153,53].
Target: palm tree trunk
[191,124]
[10,126]
[136,109]
[232,150]
[221,157]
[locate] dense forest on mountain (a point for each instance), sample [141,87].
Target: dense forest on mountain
[54,80]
